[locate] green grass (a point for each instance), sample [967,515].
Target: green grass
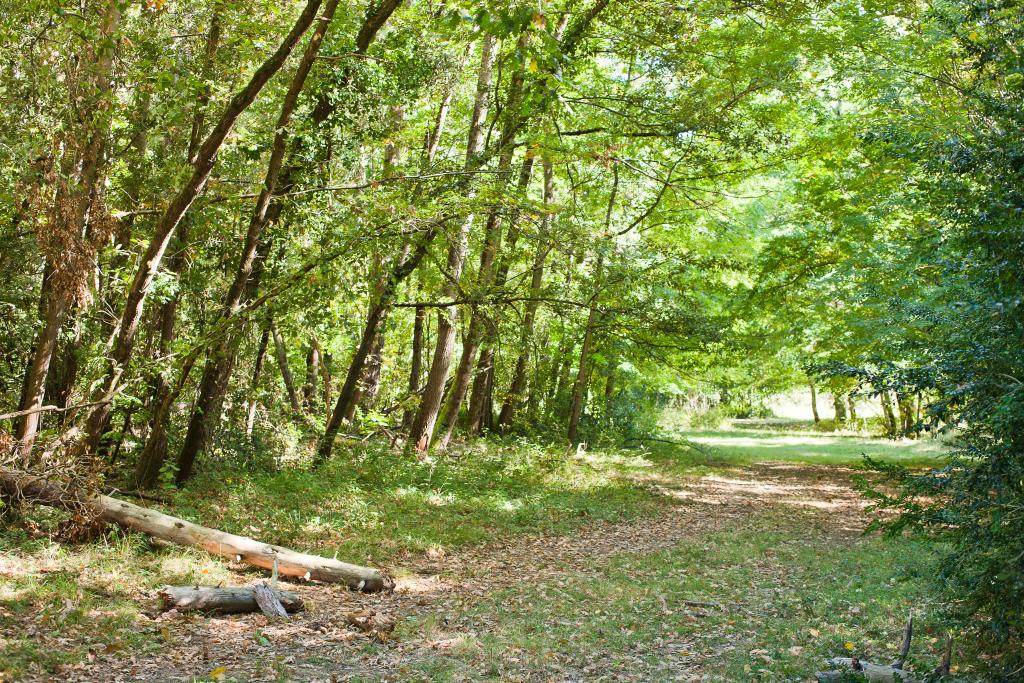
[790,601]
[370,505]
[380,507]
[735,447]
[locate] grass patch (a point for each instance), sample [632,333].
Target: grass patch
[788,603]
[735,447]
[379,507]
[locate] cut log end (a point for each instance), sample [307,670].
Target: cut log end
[269,602]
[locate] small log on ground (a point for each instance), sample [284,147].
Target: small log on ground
[239,548]
[875,673]
[225,600]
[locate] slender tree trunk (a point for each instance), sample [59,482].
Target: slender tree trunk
[150,263]
[483,383]
[518,385]
[416,363]
[254,384]
[852,407]
[312,376]
[488,257]
[814,403]
[433,392]
[83,166]
[154,454]
[282,361]
[891,425]
[839,408]
[579,396]
[249,272]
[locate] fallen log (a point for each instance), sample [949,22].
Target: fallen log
[238,548]
[874,673]
[880,673]
[223,600]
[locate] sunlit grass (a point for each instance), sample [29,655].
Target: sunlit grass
[744,447]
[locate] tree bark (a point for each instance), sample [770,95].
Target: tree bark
[282,361]
[433,392]
[165,527]
[83,166]
[814,403]
[172,215]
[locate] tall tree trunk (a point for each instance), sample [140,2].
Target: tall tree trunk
[579,396]
[483,384]
[904,403]
[249,272]
[167,224]
[280,177]
[155,451]
[814,403]
[82,167]
[518,385]
[416,363]
[513,120]
[891,425]
[433,392]
[312,376]
[839,408]
[254,383]
[282,361]
[852,406]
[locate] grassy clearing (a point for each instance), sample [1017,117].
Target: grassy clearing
[742,447]
[60,602]
[790,599]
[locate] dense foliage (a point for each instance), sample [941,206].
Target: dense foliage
[233,234]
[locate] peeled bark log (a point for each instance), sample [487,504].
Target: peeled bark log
[239,548]
[223,600]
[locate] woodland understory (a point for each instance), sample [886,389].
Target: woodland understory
[267,260]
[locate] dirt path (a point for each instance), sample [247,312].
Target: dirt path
[347,635]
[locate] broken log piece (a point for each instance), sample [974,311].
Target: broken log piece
[874,673]
[157,524]
[223,600]
[269,602]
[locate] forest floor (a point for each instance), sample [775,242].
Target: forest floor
[742,560]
